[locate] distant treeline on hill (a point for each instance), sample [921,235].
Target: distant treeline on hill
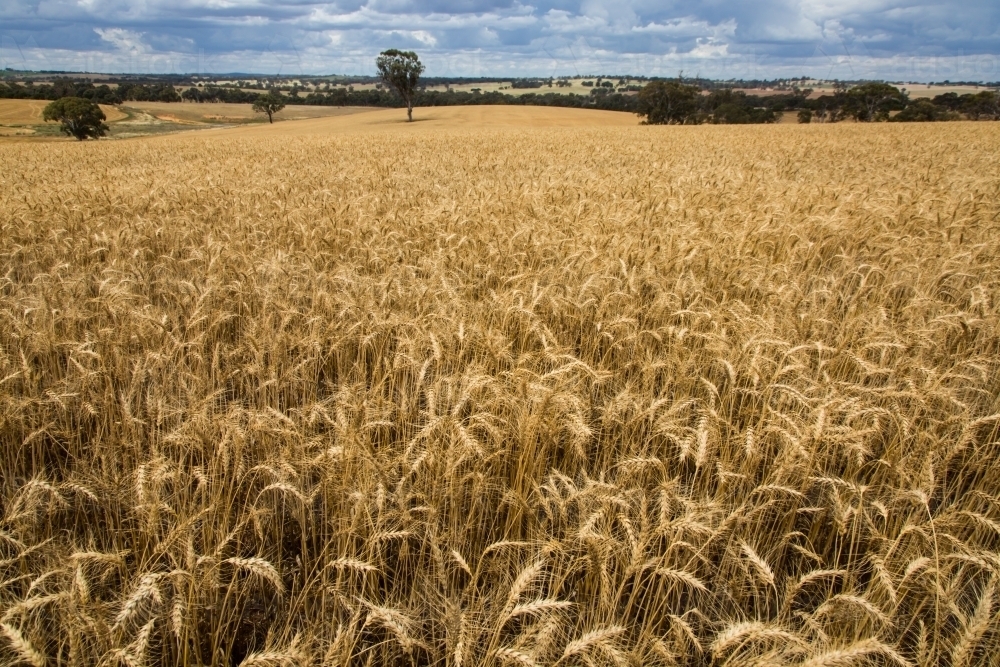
[751,109]
[880,101]
[103,94]
[690,103]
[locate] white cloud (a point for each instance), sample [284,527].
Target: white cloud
[687,27]
[424,37]
[366,17]
[710,49]
[126,41]
[763,38]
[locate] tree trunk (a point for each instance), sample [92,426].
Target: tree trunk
[270,118]
[409,111]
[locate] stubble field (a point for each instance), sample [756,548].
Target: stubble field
[29,112]
[502,396]
[207,113]
[23,117]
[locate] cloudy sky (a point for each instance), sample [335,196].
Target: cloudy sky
[904,40]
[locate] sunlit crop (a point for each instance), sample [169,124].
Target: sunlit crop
[607,396]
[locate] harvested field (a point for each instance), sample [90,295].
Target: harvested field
[434,120]
[29,112]
[181,112]
[469,392]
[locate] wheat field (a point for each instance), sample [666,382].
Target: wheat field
[502,396]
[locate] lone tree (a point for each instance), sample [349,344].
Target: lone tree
[80,118]
[400,70]
[270,104]
[668,102]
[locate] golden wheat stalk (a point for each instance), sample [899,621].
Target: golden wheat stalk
[22,647]
[261,569]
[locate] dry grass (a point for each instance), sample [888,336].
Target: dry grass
[233,113]
[29,112]
[600,396]
[436,120]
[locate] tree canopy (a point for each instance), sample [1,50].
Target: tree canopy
[80,118]
[668,102]
[873,101]
[922,111]
[400,70]
[270,104]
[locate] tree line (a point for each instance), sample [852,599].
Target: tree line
[693,104]
[881,102]
[659,101]
[741,107]
[673,102]
[102,94]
